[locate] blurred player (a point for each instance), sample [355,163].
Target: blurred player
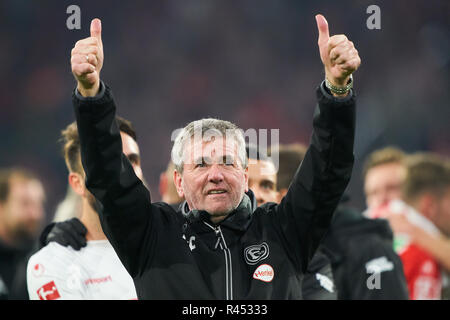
[422,224]
[354,245]
[21,214]
[60,271]
[384,172]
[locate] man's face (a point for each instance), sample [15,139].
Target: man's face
[24,209]
[131,149]
[213,178]
[262,180]
[383,183]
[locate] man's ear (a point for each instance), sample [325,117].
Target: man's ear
[76,181]
[178,179]
[246,179]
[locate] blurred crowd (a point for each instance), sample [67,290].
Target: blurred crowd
[254,63]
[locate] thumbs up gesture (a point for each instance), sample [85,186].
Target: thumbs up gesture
[87,61]
[338,54]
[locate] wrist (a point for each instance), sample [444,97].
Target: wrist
[339,88]
[88,92]
[338,82]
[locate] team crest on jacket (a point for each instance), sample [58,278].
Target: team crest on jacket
[254,254]
[264,273]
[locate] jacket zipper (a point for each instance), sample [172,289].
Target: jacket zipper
[228,265]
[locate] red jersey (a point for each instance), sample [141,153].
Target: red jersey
[422,271]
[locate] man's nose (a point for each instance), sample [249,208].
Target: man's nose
[215,173]
[384,198]
[380,200]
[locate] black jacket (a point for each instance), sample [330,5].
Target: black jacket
[13,262]
[318,282]
[355,245]
[249,255]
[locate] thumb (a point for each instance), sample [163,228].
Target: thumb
[96,28]
[322,26]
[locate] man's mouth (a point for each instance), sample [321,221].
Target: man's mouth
[216,192]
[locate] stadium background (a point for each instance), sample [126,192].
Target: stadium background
[253,62]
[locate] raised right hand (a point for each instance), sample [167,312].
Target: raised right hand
[87,61]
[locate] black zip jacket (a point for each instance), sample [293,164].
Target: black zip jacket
[249,255]
[355,245]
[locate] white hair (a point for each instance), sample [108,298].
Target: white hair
[204,129]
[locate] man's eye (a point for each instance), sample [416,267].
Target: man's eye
[134,159]
[200,165]
[267,185]
[228,161]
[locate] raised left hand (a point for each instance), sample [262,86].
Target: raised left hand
[338,54]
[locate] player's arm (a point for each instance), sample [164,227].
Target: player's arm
[306,210]
[437,244]
[125,210]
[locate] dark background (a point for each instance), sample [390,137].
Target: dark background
[255,63]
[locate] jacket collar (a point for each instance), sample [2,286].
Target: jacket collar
[238,219]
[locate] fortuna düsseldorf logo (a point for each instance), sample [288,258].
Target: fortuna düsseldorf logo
[254,254]
[264,273]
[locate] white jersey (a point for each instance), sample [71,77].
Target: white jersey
[92,273]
